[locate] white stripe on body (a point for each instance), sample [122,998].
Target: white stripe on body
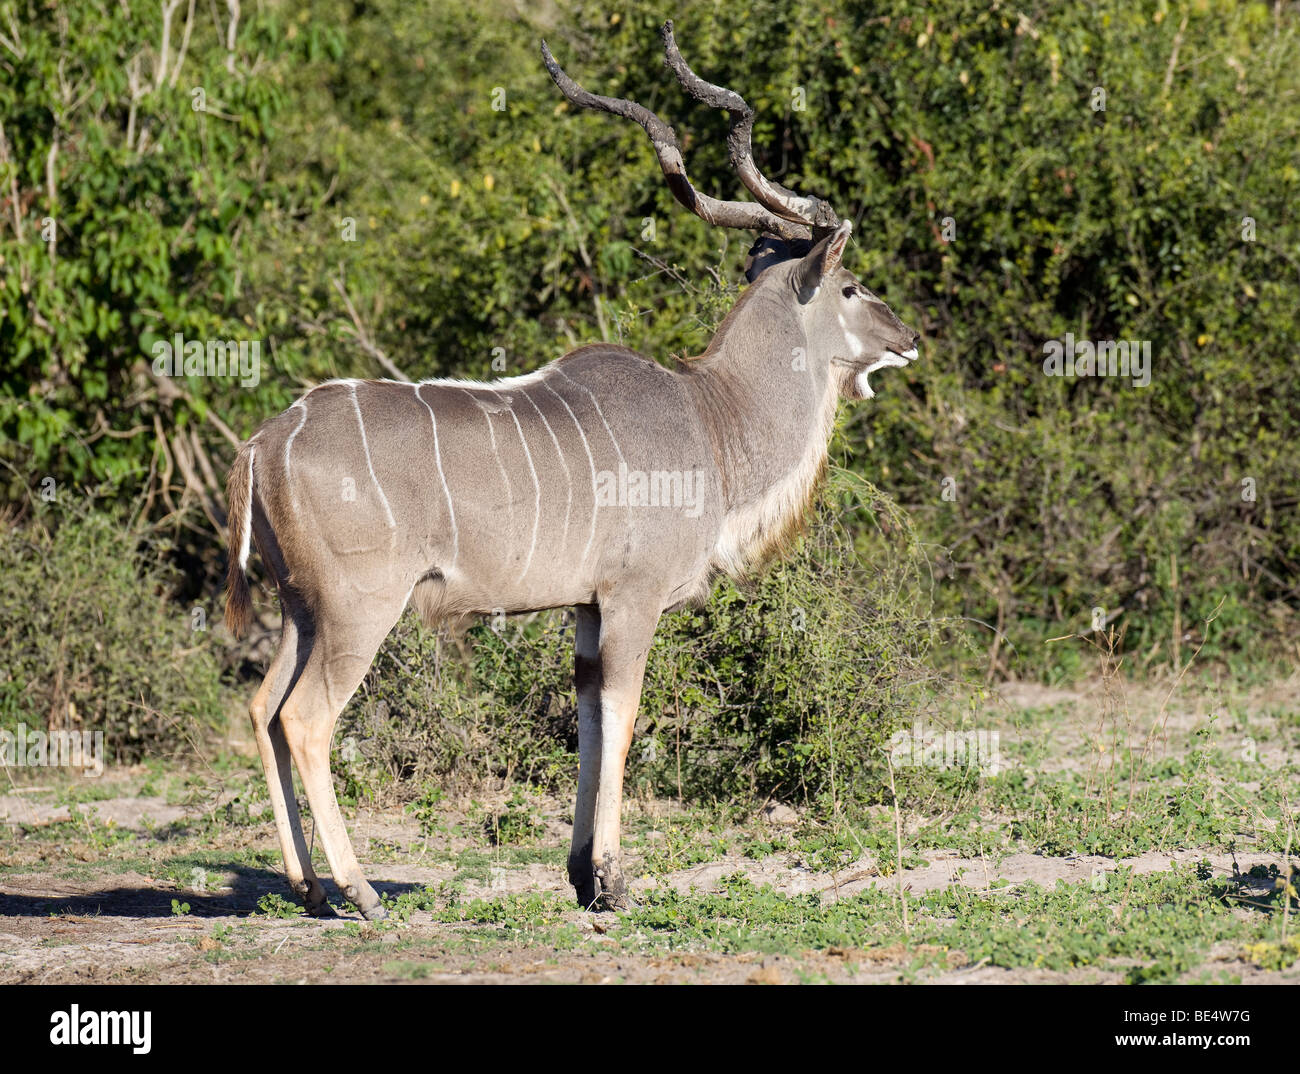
[590,462]
[437,455]
[610,432]
[568,477]
[247,530]
[537,489]
[288,445]
[388,511]
[496,454]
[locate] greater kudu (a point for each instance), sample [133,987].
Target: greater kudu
[602,481]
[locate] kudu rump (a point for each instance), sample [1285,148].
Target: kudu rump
[602,481]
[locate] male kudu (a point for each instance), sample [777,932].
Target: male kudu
[468,497]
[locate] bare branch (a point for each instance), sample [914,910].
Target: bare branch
[560,197]
[52,188]
[168,390]
[737,214]
[168,10]
[185,44]
[11,41]
[182,452]
[209,472]
[785,203]
[6,163]
[231,29]
[137,91]
[164,485]
[363,337]
[1173,59]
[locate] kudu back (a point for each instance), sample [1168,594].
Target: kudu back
[603,482]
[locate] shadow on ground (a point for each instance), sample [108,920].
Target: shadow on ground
[238,898]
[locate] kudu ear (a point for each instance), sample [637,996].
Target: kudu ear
[822,260]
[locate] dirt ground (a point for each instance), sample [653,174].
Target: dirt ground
[85,912]
[120,928]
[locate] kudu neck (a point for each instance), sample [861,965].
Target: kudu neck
[767,403]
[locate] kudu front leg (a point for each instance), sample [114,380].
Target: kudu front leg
[586,674]
[624,645]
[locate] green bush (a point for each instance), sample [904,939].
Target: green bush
[790,689]
[94,638]
[352,190]
[133,207]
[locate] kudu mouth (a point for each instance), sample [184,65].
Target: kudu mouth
[885,360]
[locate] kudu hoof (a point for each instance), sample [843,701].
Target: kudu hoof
[321,909]
[610,901]
[593,895]
[366,901]
[609,889]
[313,897]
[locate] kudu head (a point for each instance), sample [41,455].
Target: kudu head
[801,238]
[846,325]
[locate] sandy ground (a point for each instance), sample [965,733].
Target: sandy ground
[118,926]
[74,915]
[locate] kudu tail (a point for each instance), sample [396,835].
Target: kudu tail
[239,498]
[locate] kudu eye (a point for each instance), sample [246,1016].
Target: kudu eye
[850,291]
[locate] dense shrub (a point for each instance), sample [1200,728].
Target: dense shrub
[138,179]
[791,688]
[93,637]
[1115,218]
[385,184]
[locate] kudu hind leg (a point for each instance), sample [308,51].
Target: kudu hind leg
[586,665]
[274,750]
[340,657]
